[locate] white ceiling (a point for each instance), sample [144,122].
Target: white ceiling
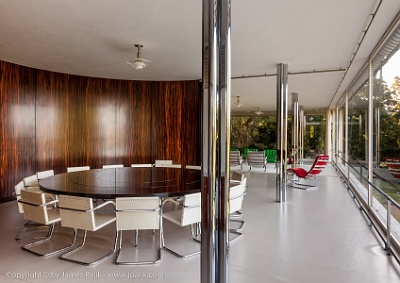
[96,38]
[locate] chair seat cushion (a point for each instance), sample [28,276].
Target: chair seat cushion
[54,215]
[300,172]
[103,220]
[173,216]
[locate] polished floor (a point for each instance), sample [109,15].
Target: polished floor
[317,236]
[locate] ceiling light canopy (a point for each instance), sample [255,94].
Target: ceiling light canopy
[138,63]
[258,112]
[237,103]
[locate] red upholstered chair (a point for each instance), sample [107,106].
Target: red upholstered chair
[317,167]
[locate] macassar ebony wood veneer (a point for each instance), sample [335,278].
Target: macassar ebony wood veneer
[52,121]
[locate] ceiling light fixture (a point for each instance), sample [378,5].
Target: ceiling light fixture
[237,103]
[258,112]
[139,63]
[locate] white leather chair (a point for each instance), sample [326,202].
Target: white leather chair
[28,226]
[236,196]
[195,167]
[257,159]
[236,178]
[79,213]
[45,174]
[38,210]
[160,163]
[142,165]
[138,213]
[235,159]
[31,181]
[170,165]
[77,168]
[18,188]
[186,212]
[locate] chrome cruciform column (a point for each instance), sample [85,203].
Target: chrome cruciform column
[281,120]
[295,128]
[216,142]
[301,134]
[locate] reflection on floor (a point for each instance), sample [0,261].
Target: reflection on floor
[316,236]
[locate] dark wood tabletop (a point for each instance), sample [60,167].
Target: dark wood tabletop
[125,182]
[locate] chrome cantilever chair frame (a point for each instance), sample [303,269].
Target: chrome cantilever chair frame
[36,209]
[145,214]
[316,168]
[182,221]
[69,218]
[29,225]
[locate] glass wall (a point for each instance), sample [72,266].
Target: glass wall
[371,144]
[387,125]
[358,126]
[314,136]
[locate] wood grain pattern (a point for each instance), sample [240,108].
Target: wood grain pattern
[17,125]
[53,121]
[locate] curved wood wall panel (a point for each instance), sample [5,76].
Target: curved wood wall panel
[17,126]
[133,120]
[167,121]
[191,137]
[52,124]
[53,121]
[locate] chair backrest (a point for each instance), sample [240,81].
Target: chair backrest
[137,213]
[236,177]
[142,165]
[34,205]
[236,196]
[162,162]
[18,188]
[31,181]
[76,212]
[113,166]
[191,209]
[170,165]
[77,169]
[45,174]
[256,158]
[235,158]
[318,165]
[195,167]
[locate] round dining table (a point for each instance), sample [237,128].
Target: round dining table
[125,182]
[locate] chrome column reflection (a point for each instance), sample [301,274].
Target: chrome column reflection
[295,127]
[301,134]
[216,127]
[281,120]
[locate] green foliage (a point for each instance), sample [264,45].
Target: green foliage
[314,138]
[261,132]
[253,132]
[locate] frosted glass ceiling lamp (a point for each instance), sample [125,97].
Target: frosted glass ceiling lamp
[139,63]
[258,112]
